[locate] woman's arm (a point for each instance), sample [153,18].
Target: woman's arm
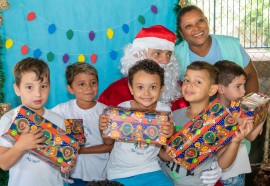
[252,84]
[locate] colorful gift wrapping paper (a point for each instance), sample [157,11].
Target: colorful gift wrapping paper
[74,127]
[60,146]
[135,126]
[255,105]
[204,135]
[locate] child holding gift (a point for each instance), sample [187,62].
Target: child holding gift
[82,81]
[32,84]
[231,87]
[137,163]
[198,86]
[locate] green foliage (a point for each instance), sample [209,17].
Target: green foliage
[176,9]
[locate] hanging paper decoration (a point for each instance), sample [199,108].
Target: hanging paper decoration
[154,9]
[1,20]
[65,58]
[24,49]
[113,55]
[91,35]
[141,19]
[110,33]
[37,53]
[93,58]
[70,34]
[52,28]
[125,28]
[9,43]
[50,56]
[81,58]
[31,16]
[4,5]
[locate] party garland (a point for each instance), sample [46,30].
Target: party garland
[2,75]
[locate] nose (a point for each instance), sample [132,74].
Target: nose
[146,92]
[38,92]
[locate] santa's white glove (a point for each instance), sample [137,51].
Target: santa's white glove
[212,176]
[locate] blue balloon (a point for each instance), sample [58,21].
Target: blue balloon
[52,29]
[113,54]
[125,28]
[37,53]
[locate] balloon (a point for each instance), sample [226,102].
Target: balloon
[65,58]
[50,56]
[91,35]
[37,53]
[81,58]
[113,55]
[24,49]
[31,16]
[93,58]
[110,33]
[154,9]
[52,28]
[70,34]
[141,19]
[9,43]
[125,28]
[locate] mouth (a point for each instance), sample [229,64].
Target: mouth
[147,99]
[198,35]
[37,102]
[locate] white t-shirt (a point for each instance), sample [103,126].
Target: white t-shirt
[241,164]
[130,159]
[30,170]
[88,166]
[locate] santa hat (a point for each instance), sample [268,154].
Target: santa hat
[155,37]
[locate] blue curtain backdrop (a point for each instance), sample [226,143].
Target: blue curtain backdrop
[53,29]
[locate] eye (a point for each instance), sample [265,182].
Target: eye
[140,87]
[169,55]
[153,87]
[185,81]
[44,86]
[198,82]
[188,27]
[81,84]
[201,20]
[29,87]
[93,82]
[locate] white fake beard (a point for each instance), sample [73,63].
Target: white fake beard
[171,89]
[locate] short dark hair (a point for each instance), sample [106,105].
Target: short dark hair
[202,65]
[79,67]
[29,64]
[183,11]
[228,70]
[147,65]
[104,183]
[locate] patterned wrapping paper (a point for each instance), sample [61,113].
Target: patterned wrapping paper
[60,146]
[74,127]
[135,126]
[255,105]
[204,135]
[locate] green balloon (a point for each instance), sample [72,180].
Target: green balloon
[141,19]
[50,56]
[70,34]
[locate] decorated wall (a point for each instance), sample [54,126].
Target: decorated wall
[62,32]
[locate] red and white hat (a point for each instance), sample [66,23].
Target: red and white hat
[155,37]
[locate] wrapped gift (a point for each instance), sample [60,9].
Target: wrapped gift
[204,135]
[74,127]
[135,126]
[255,105]
[60,146]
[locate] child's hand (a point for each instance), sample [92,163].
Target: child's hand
[72,163]
[167,128]
[103,121]
[30,139]
[169,152]
[245,128]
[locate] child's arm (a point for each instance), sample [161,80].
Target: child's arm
[28,140]
[103,148]
[167,128]
[255,132]
[227,154]
[165,154]
[103,122]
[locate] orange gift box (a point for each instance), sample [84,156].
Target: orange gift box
[135,125]
[60,146]
[204,135]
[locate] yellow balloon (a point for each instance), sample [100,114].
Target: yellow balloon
[110,33]
[81,58]
[9,43]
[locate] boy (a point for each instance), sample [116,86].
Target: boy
[198,86]
[82,81]
[231,87]
[32,84]
[137,163]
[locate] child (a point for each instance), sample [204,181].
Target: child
[198,86]
[32,84]
[137,163]
[231,87]
[82,81]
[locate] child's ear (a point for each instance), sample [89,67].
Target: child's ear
[162,88]
[69,88]
[16,89]
[213,90]
[220,89]
[130,88]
